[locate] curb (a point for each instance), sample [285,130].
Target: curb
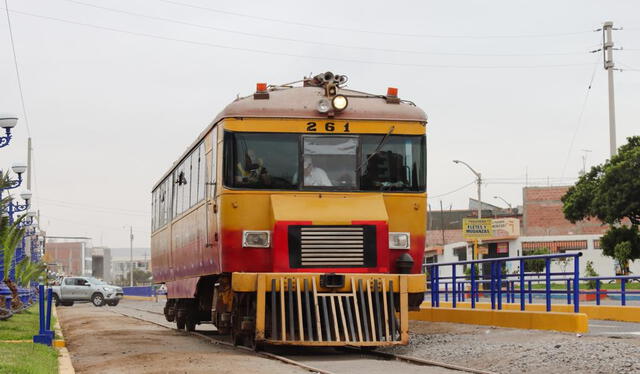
[64,358]
[606,312]
[566,322]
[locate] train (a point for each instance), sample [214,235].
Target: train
[297,217]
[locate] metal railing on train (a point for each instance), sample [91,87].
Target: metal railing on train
[522,285]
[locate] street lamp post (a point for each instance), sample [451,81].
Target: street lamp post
[478,181]
[17,207]
[505,201]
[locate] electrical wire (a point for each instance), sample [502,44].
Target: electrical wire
[374,32]
[67,204]
[578,125]
[268,52]
[225,30]
[453,191]
[15,61]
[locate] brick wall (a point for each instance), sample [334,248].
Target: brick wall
[543,214]
[434,237]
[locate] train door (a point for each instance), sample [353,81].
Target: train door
[212,248]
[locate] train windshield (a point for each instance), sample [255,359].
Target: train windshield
[368,162]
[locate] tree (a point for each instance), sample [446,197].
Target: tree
[611,193]
[538,265]
[10,236]
[589,271]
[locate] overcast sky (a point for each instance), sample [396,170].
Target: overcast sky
[114,97]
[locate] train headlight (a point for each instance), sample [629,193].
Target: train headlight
[256,239]
[324,105]
[399,240]
[339,102]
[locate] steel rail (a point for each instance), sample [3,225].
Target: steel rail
[389,356]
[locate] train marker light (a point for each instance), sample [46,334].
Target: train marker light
[324,105]
[256,239]
[261,92]
[392,96]
[339,102]
[399,240]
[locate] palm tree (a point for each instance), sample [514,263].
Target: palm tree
[10,236]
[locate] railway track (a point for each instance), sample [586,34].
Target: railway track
[319,361]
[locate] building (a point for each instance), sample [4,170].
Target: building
[120,267]
[541,226]
[70,257]
[101,263]
[542,214]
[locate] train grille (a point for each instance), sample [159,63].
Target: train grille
[332,246]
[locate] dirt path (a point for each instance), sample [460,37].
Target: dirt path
[101,341]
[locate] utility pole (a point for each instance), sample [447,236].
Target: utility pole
[609,66]
[29,163]
[131,254]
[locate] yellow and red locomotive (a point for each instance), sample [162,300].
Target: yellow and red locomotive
[297,217]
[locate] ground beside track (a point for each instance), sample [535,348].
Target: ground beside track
[609,347]
[101,341]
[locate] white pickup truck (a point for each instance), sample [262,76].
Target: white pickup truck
[72,289]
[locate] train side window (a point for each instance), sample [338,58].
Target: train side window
[201,172]
[193,190]
[153,210]
[186,173]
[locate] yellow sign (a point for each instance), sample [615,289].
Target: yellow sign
[474,228]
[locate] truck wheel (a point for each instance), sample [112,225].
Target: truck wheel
[113,302]
[56,300]
[190,324]
[97,299]
[181,322]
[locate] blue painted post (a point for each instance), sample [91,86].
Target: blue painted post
[48,321]
[473,286]
[454,286]
[521,285]
[623,293]
[499,281]
[492,285]
[547,281]
[437,290]
[597,291]
[569,291]
[446,292]
[576,284]
[530,293]
[7,302]
[431,284]
[41,307]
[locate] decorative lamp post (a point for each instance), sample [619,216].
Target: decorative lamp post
[13,208]
[18,168]
[7,122]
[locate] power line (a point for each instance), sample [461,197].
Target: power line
[94,207]
[375,32]
[15,61]
[456,190]
[578,125]
[267,52]
[220,29]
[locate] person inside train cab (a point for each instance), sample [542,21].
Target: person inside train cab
[315,176]
[252,171]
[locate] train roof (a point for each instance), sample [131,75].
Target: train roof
[287,101]
[301,102]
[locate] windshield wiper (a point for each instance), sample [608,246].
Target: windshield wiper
[378,148]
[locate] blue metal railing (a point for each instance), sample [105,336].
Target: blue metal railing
[520,285]
[498,281]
